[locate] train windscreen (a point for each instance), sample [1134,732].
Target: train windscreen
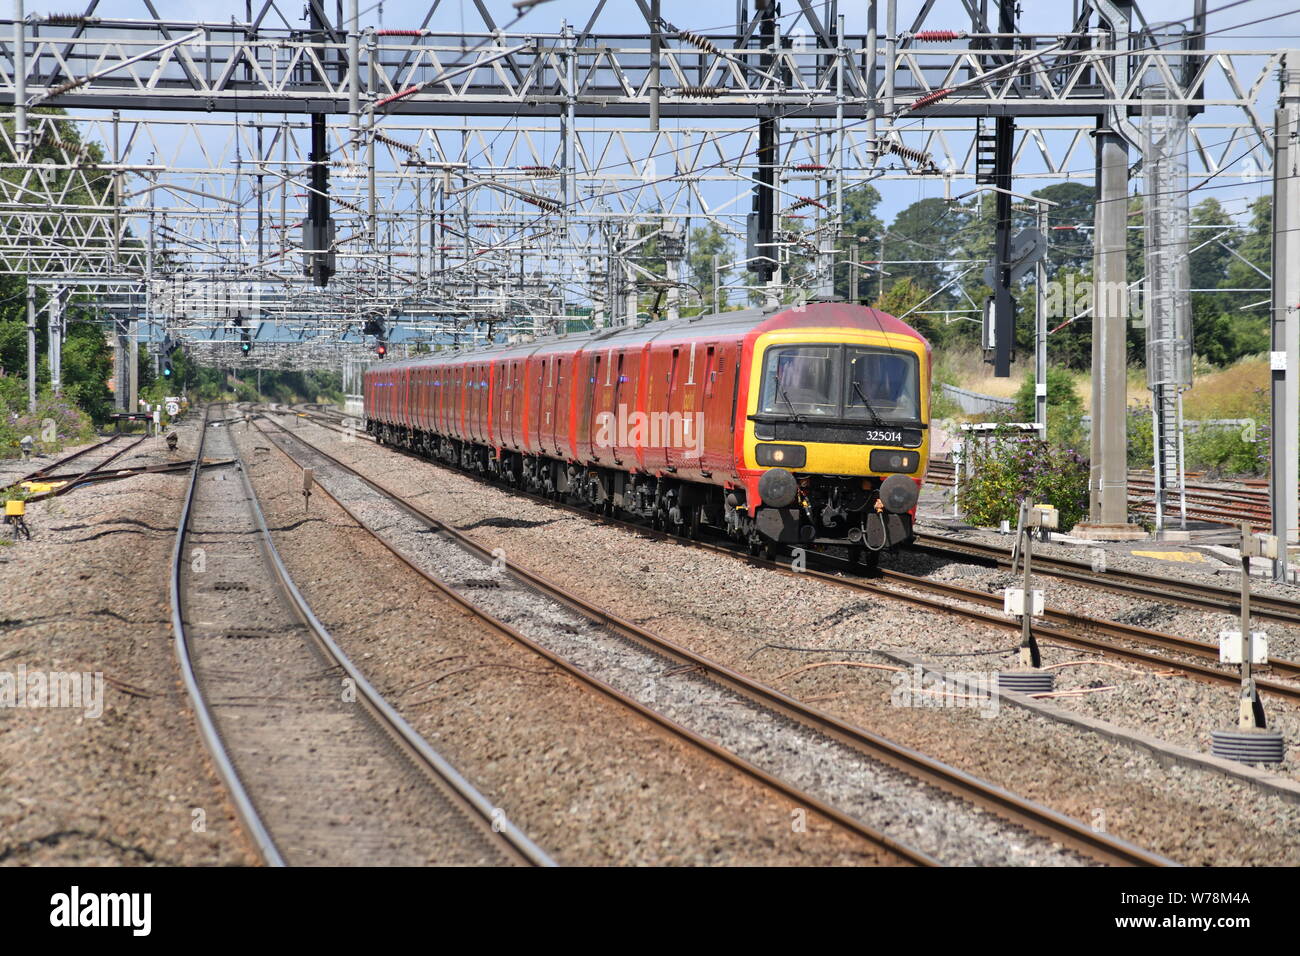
[881,384]
[846,382]
[802,380]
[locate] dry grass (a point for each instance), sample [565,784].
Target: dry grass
[967,369]
[1222,393]
[1229,392]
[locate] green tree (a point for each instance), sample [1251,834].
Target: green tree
[707,242]
[861,239]
[901,298]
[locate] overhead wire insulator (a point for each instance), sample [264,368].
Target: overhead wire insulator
[77,152]
[69,20]
[928,99]
[699,41]
[540,171]
[807,167]
[66,87]
[541,202]
[396,144]
[394,97]
[936,36]
[807,201]
[401,33]
[919,157]
[347,205]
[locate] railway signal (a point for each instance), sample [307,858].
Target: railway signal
[376,328]
[169,345]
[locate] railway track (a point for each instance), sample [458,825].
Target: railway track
[1203,597]
[319,766]
[1227,506]
[678,672]
[1087,633]
[109,450]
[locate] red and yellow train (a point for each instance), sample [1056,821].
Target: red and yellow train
[803,426]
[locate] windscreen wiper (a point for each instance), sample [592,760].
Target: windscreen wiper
[874,417]
[780,390]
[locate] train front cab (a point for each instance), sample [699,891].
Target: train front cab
[824,409]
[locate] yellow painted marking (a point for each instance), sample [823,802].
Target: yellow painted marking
[41,487]
[1188,557]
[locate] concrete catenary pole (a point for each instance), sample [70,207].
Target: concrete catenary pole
[1285,355]
[1110,332]
[1108,481]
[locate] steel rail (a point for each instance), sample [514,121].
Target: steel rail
[1201,596]
[1069,628]
[507,630]
[118,474]
[1074,629]
[1006,805]
[43,473]
[1224,506]
[499,829]
[46,469]
[244,807]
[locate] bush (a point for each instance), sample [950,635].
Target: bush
[55,423]
[1006,469]
[1228,451]
[1062,399]
[1140,435]
[1220,450]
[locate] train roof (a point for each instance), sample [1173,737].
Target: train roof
[727,324]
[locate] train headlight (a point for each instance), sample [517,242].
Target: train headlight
[781,456]
[778,488]
[894,460]
[899,493]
